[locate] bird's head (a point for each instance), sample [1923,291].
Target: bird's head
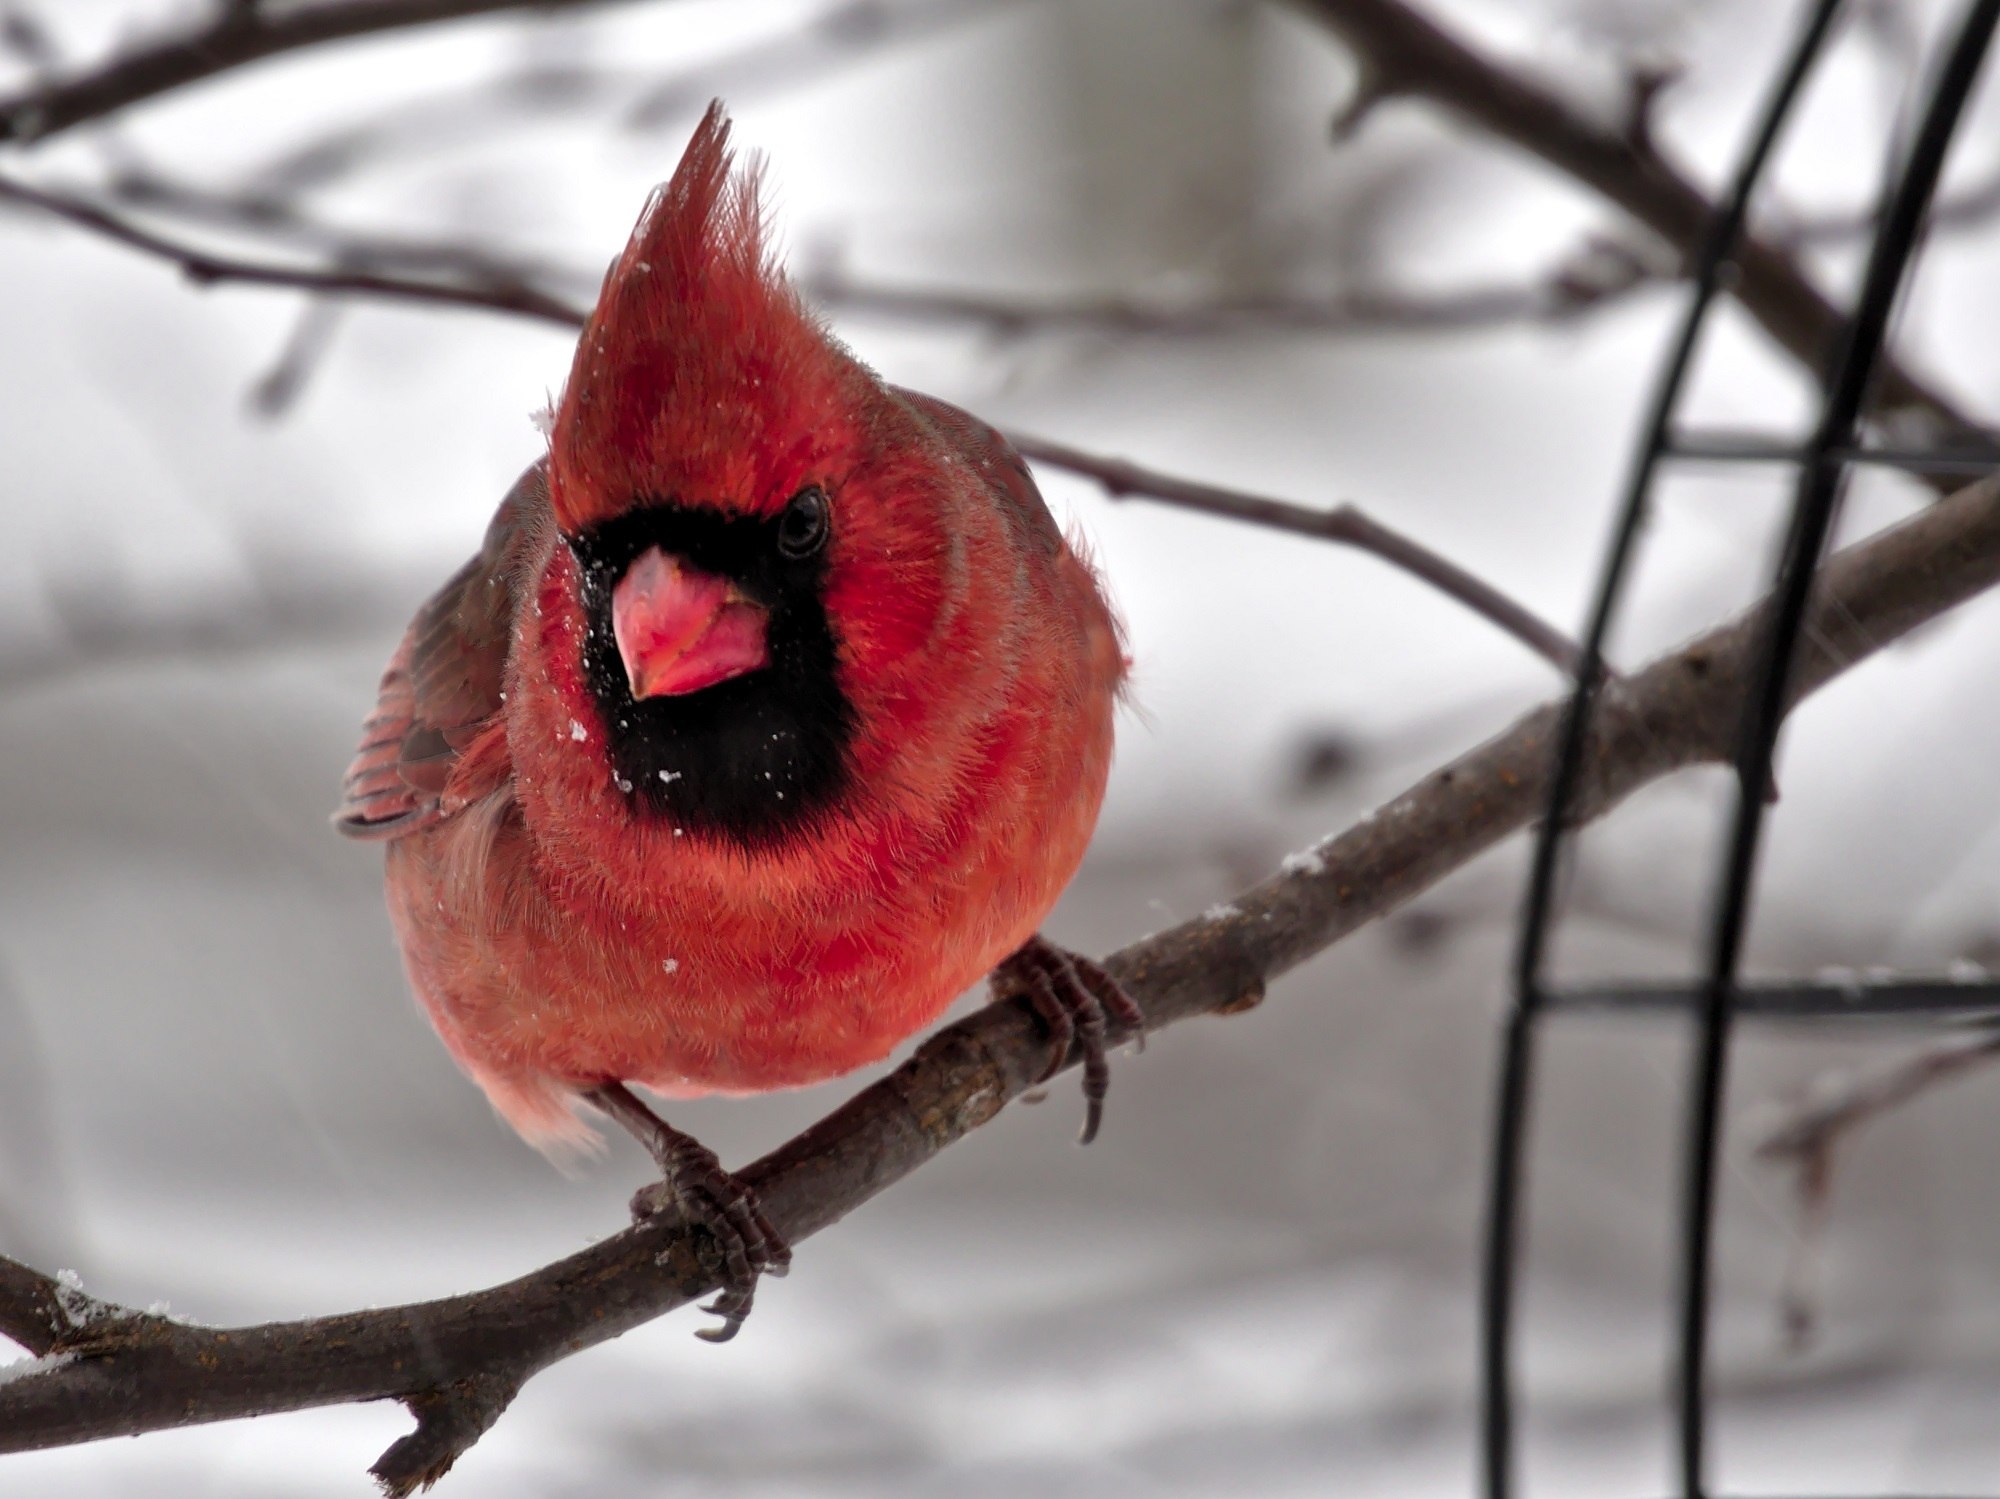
[748,539]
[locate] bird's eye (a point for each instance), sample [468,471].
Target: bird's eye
[803,528]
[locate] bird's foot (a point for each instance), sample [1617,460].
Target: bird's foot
[694,1185]
[1082,1006]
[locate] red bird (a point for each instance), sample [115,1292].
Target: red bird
[773,712]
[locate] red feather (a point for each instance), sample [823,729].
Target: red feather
[694,318]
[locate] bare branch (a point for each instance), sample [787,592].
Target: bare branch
[205,268]
[136,1373]
[273,213]
[277,390]
[1412,55]
[1646,84]
[1599,274]
[238,36]
[1368,93]
[1844,1102]
[1401,52]
[1837,1106]
[1344,524]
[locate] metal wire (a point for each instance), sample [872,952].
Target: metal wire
[1820,482]
[1510,1108]
[1824,461]
[1744,447]
[1898,1000]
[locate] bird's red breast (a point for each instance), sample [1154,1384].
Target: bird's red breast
[774,711]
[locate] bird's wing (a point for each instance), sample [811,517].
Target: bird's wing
[994,457]
[443,685]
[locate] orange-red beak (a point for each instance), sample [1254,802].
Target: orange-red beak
[680,630]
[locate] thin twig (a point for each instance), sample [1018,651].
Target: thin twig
[1579,286]
[1841,1104]
[1596,274]
[272,213]
[1344,524]
[236,37]
[205,268]
[136,1373]
[1599,274]
[277,390]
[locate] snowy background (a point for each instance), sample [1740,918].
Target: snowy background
[214,1090]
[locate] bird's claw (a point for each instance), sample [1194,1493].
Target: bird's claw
[1083,1007]
[696,1186]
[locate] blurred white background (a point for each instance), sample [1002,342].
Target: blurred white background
[215,1091]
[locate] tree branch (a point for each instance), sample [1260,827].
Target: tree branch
[1836,1107]
[238,36]
[1597,274]
[456,1360]
[270,212]
[205,268]
[1344,524]
[1595,277]
[1408,54]
[1841,1103]
[1401,51]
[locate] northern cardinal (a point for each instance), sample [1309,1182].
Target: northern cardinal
[773,711]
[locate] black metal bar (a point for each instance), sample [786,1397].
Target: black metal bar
[1858,998]
[1510,1106]
[1745,447]
[1812,518]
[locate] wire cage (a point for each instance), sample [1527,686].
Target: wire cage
[1716,998]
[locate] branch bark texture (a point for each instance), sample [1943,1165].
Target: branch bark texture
[457,1361]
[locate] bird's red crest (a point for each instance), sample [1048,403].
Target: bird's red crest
[700,376]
